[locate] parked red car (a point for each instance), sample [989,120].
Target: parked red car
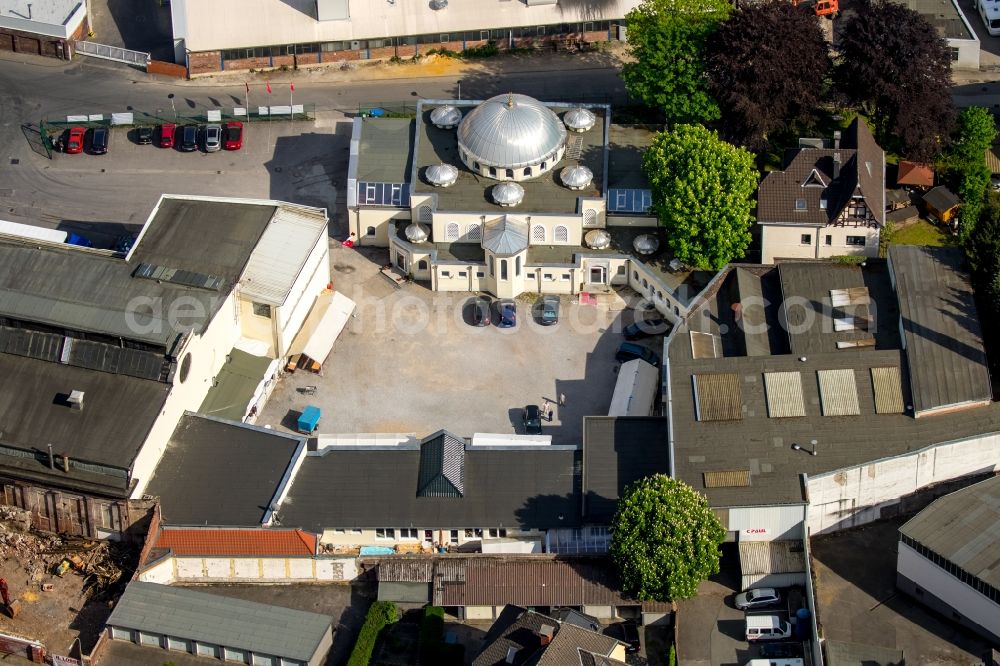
[233,135]
[74,140]
[167,135]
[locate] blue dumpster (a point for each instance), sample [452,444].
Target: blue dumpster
[309,419]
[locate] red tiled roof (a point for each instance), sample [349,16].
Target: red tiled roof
[235,542]
[914,173]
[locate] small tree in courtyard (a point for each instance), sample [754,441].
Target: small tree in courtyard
[665,539]
[702,191]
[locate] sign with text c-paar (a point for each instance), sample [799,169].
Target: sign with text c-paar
[755,532]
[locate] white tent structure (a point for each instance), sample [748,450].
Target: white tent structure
[635,390]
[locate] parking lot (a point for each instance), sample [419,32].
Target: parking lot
[410,362]
[857,600]
[102,197]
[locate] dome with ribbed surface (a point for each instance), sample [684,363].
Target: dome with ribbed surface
[508,194]
[579,120]
[576,177]
[441,175]
[514,135]
[446,117]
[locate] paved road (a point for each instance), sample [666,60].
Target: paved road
[72,192]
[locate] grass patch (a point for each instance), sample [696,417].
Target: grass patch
[380,615]
[923,232]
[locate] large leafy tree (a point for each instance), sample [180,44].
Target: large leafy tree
[702,191]
[667,39]
[975,135]
[967,170]
[767,66]
[664,539]
[897,68]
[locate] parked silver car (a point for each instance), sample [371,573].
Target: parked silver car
[213,138]
[758,598]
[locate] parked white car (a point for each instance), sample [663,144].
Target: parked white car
[213,138]
[759,598]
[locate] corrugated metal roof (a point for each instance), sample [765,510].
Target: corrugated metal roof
[888,389]
[704,345]
[718,397]
[838,392]
[784,394]
[739,478]
[963,528]
[282,252]
[771,557]
[245,625]
[405,570]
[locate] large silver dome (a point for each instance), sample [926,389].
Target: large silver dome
[511,132]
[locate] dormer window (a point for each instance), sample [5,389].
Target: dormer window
[800,204]
[822,204]
[814,180]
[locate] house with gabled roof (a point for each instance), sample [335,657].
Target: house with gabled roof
[827,202]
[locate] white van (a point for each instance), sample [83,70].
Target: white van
[989,12]
[776,662]
[767,628]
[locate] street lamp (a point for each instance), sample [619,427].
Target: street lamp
[460,88]
[172,106]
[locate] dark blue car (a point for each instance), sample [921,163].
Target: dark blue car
[507,313]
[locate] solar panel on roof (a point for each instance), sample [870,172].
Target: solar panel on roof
[178,276]
[888,389]
[622,200]
[384,194]
[718,397]
[838,392]
[784,394]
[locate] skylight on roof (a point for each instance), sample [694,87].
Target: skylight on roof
[800,204]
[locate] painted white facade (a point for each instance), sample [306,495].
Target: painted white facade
[805,242]
[413,540]
[972,606]
[767,523]
[857,495]
[270,570]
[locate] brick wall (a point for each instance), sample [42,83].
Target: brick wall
[205,62]
[382,52]
[283,61]
[27,42]
[167,68]
[308,58]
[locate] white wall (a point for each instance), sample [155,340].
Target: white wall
[856,495]
[308,285]
[767,523]
[786,242]
[173,569]
[935,580]
[968,53]
[208,355]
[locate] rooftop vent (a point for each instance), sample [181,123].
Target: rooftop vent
[511,655]
[597,239]
[438,4]
[576,177]
[441,175]
[447,116]
[416,233]
[508,194]
[836,166]
[75,399]
[545,633]
[646,244]
[836,140]
[579,120]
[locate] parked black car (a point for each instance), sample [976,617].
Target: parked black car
[627,632]
[532,418]
[99,138]
[780,650]
[548,310]
[507,313]
[629,351]
[144,136]
[189,139]
[481,311]
[646,328]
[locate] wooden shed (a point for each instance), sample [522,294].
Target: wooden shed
[942,203]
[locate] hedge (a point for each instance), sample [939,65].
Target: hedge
[380,614]
[431,633]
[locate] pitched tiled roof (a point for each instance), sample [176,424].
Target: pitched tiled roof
[234,542]
[794,195]
[516,633]
[915,173]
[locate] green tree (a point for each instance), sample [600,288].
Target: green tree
[664,539]
[702,194]
[767,65]
[982,243]
[667,39]
[972,191]
[975,135]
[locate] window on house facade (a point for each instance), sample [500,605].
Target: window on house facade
[503,269]
[538,234]
[422,264]
[565,277]
[462,274]
[453,536]
[446,274]
[452,232]
[561,234]
[953,52]
[829,239]
[480,274]
[858,241]
[425,214]
[800,205]
[497,533]
[475,232]
[527,172]
[262,310]
[370,231]
[806,239]
[517,266]
[385,533]
[407,533]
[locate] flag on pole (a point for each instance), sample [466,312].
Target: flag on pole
[268,87]
[291,86]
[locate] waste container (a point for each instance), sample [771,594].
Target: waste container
[308,419]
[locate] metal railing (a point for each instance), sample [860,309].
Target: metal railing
[116,53]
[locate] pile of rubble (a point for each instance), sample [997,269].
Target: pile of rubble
[41,554]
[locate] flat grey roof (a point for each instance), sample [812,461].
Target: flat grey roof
[944,340]
[118,413]
[53,12]
[963,527]
[70,288]
[542,194]
[618,451]
[385,150]
[222,473]
[235,385]
[943,15]
[347,487]
[225,621]
[626,144]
